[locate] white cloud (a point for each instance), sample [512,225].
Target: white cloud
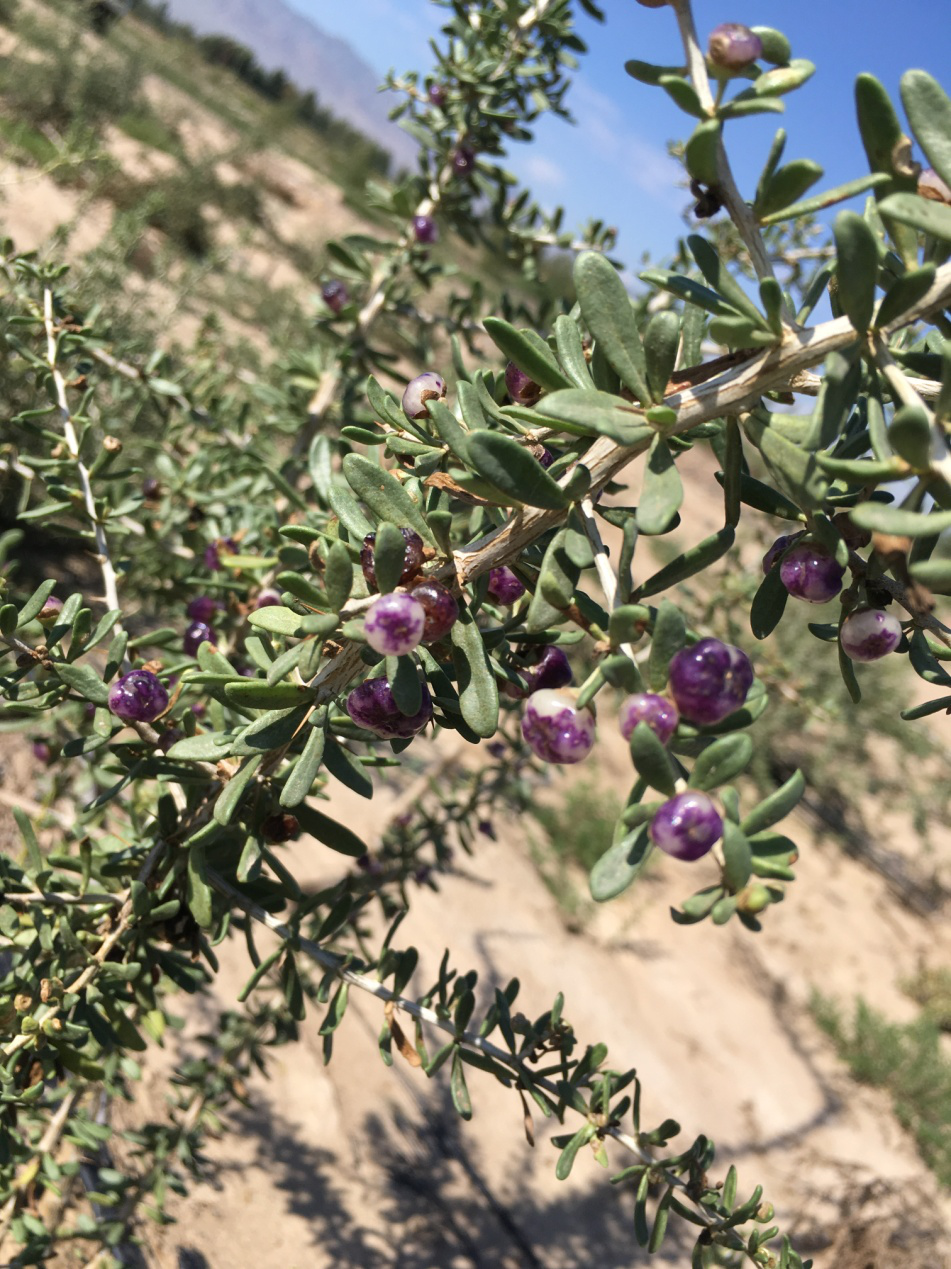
[542,171]
[633,160]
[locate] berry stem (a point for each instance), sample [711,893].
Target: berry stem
[602,563]
[906,393]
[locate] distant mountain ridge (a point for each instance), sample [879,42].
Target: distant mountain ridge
[282,39]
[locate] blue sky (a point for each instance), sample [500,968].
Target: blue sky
[613,163]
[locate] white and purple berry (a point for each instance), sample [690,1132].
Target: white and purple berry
[521,387]
[267,599]
[776,550]
[437,95]
[550,672]
[196,634]
[395,625]
[809,572]
[687,827]
[659,713]
[425,230]
[425,387]
[52,607]
[931,186]
[709,681]
[412,557]
[555,729]
[733,46]
[870,634]
[440,608]
[463,161]
[504,587]
[371,706]
[138,697]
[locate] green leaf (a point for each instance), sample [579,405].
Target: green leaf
[722,280]
[881,517]
[34,604]
[661,1217]
[337,836]
[209,746]
[769,604]
[347,768]
[403,679]
[721,762]
[571,351]
[786,186]
[662,491]
[448,426]
[620,865]
[847,670]
[694,561]
[257,694]
[793,468]
[661,342]
[920,213]
[782,79]
[569,1153]
[809,206]
[347,510]
[741,106]
[277,620]
[857,267]
[776,47]
[559,574]
[652,761]
[702,152]
[910,435]
[929,111]
[458,1088]
[903,293]
[389,556]
[199,893]
[670,635]
[478,688]
[511,468]
[606,309]
[272,730]
[648,72]
[230,796]
[384,495]
[84,680]
[590,412]
[776,807]
[764,498]
[935,574]
[530,353]
[300,781]
[737,857]
[683,94]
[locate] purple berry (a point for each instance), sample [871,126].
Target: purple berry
[521,388]
[687,826]
[869,634]
[52,607]
[395,624]
[930,185]
[42,752]
[412,557]
[463,161]
[436,95]
[138,697]
[657,712]
[555,728]
[551,671]
[267,599]
[371,706]
[504,586]
[151,488]
[709,680]
[776,550]
[440,608]
[202,608]
[425,387]
[810,573]
[196,634]
[732,46]
[425,230]
[335,295]
[213,552]
[546,457]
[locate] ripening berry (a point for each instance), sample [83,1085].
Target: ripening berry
[280,828]
[42,752]
[776,550]
[213,552]
[546,457]
[659,713]
[335,295]
[425,230]
[733,46]
[138,697]
[463,161]
[267,599]
[52,607]
[395,625]
[150,488]
[551,671]
[555,729]
[196,634]
[371,706]
[412,558]
[687,826]
[809,572]
[521,388]
[202,608]
[440,608]
[504,586]
[709,680]
[869,634]
[436,95]
[930,185]
[425,387]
